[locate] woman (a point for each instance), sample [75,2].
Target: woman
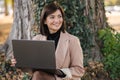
[69,56]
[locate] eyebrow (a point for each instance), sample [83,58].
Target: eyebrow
[54,15]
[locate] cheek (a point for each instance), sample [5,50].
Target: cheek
[61,20]
[48,22]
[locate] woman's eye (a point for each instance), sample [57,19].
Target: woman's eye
[51,17]
[59,16]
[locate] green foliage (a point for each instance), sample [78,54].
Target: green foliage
[111,52]
[76,21]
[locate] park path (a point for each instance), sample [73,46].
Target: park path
[5,26]
[114,20]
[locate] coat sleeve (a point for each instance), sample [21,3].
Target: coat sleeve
[76,58]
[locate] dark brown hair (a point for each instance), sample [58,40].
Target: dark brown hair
[47,10]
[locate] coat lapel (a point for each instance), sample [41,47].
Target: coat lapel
[61,49]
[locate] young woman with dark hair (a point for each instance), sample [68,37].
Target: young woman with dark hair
[69,56]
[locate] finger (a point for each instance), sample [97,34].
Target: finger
[13,60]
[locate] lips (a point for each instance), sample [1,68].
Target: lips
[56,25]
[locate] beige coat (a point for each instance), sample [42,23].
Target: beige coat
[68,54]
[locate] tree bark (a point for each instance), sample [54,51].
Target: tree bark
[98,21]
[22,24]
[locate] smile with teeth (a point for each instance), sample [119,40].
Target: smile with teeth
[56,25]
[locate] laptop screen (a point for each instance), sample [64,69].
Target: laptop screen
[34,54]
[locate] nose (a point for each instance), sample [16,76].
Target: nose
[56,20]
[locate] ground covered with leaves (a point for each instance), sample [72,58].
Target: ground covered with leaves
[8,72]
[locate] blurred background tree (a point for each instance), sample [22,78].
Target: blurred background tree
[8,7]
[112,2]
[118,2]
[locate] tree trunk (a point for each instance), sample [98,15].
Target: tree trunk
[98,21]
[6,8]
[13,5]
[22,24]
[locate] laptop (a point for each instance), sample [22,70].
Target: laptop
[36,55]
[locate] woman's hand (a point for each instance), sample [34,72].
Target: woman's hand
[13,62]
[68,73]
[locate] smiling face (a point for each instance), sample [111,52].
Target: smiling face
[54,21]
